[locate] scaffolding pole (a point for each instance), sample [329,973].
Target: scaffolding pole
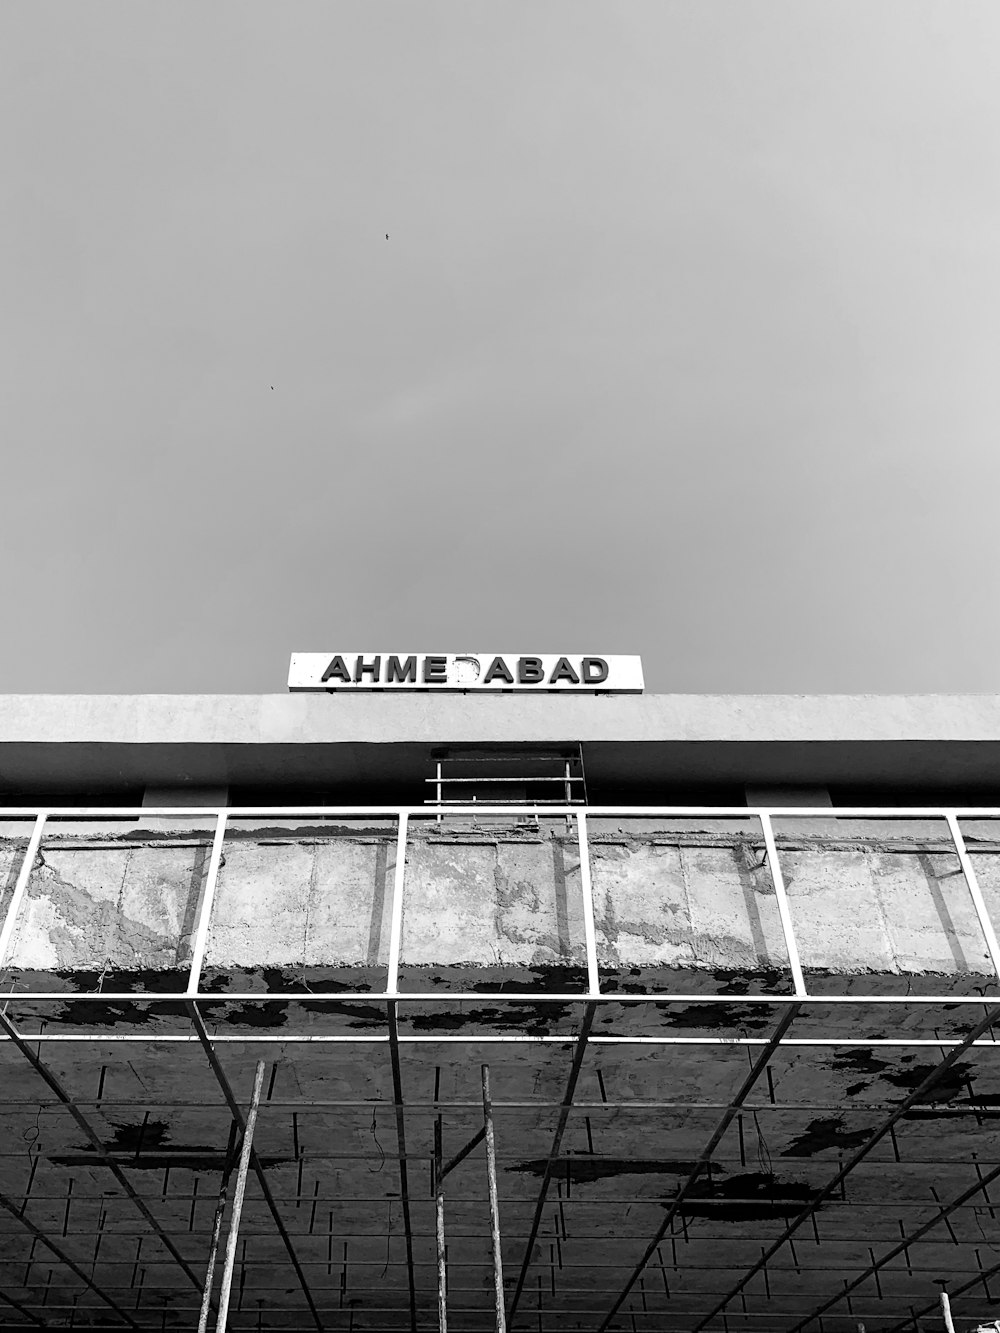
[491,1174]
[220,1209]
[238,1196]
[442,1254]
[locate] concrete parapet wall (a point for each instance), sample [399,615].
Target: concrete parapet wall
[506,901]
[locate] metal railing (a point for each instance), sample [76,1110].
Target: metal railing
[221,822]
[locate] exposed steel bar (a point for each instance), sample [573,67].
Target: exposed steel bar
[677,1202]
[491,1176]
[237,1113]
[239,1193]
[213,1248]
[442,1253]
[53,1082]
[877,1135]
[22,1310]
[20,887]
[11,1207]
[901,1248]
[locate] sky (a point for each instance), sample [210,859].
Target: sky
[529,325]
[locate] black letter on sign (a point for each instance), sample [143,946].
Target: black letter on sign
[499,670]
[563,671]
[529,670]
[435,671]
[408,671]
[595,670]
[337,671]
[361,668]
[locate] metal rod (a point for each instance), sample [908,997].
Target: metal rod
[237,1113]
[677,1202]
[232,1240]
[473,1143]
[207,901]
[876,1136]
[220,1209]
[781,896]
[491,1176]
[11,1207]
[20,887]
[586,885]
[404,1180]
[21,1309]
[567,1102]
[97,1143]
[976,893]
[396,920]
[442,1255]
[940,1216]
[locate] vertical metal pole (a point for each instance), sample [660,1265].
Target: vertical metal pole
[439,790]
[205,912]
[20,888]
[213,1249]
[778,880]
[491,1174]
[979,902]
[396,923]
[241,1187]
[946,1313]
[442,1258]
[586,885]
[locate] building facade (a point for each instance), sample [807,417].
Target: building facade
[565,1013]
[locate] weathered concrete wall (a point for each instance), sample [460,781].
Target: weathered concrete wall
[506,902]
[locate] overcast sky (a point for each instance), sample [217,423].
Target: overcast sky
[685,339]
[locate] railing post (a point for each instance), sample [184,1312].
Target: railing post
[975,892]
[587,887]
[778,880]
[205,911]
[396,926]
[20,888]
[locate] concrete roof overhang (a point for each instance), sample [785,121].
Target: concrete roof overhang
[373,741]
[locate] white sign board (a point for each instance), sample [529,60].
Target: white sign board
[570,673]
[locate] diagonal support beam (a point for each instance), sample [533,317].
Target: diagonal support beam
[471,1146]
[728,1116]
[258,1170]
[53,1082]
[876,1137]
[11,1207]
[564,1110]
